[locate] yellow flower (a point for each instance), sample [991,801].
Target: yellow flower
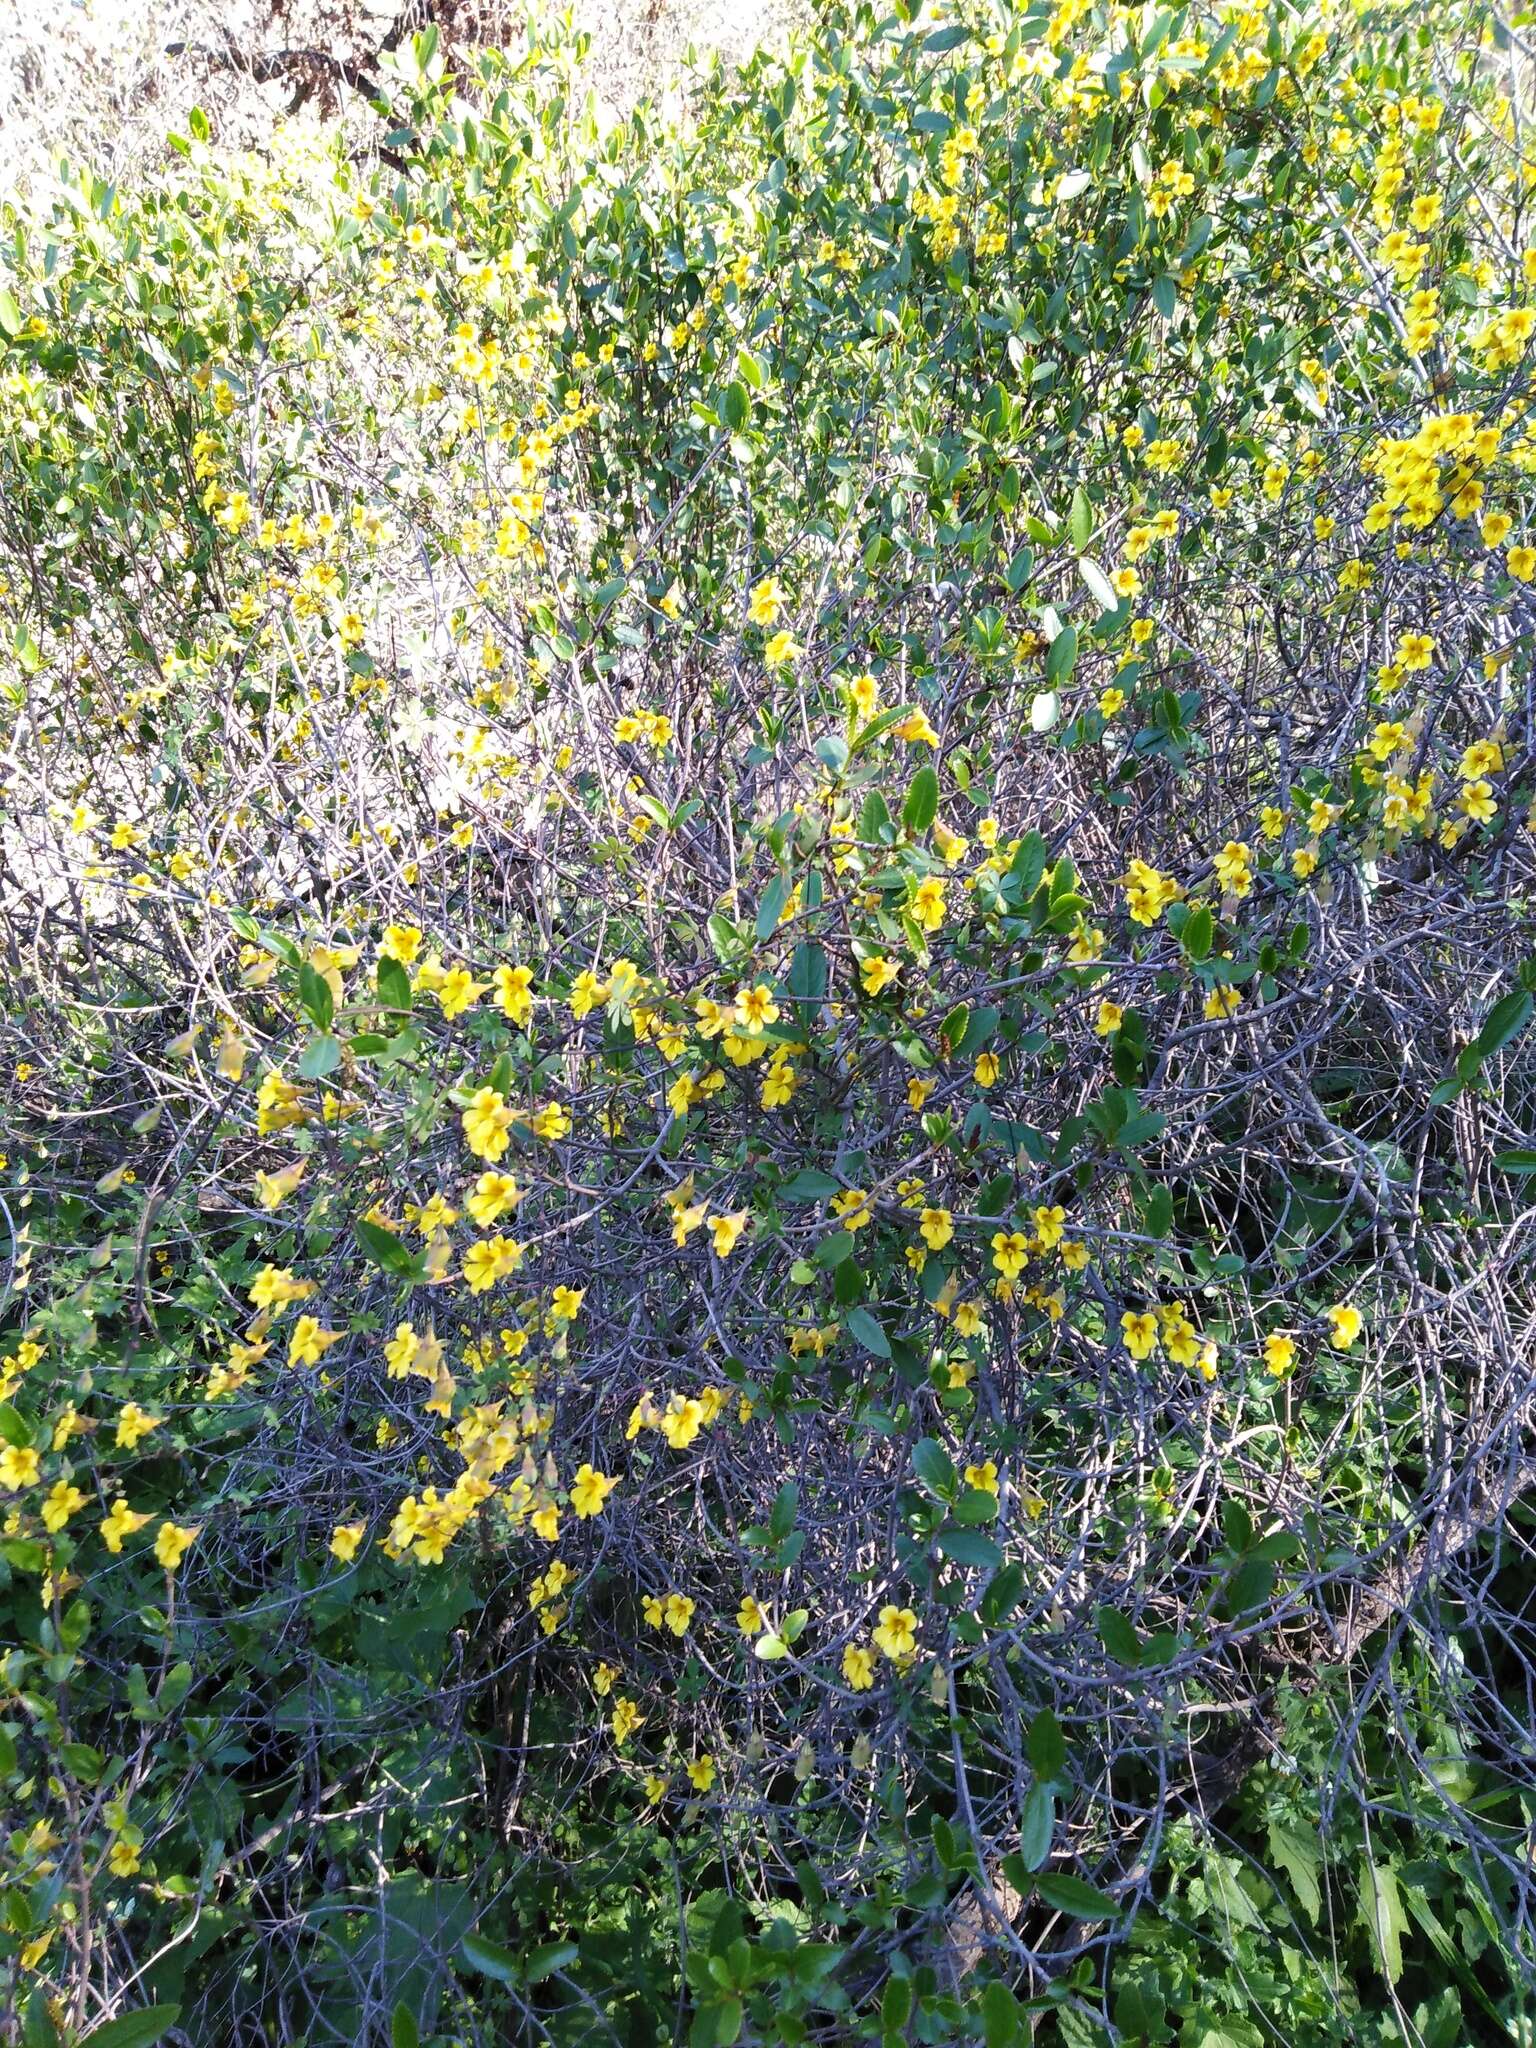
[928,904]
[1415,651]
[851,1208]
[756,1009]
[626,1719]
[1109,1019]
[172,1543]
[859,1667]
[565,1303]
[121,1522]
[273,1189]
[345,1538]
[750,1618]
[309,1343]
[766,602]
[877,973]
[982,1477]
[701,1772]
[916,730]
[937,1227]
[1279,1353]
[726,1230]
[459,991]
[1050,1226]
[400,942]
[1346,1323]
[987,1068]
[1010,1250]
[897,1632]
[18,1467]
[62,1500]
[493,1193]
[782,647]
[589,1490]
[133,1423]
[487,1123]
[1139,1330]
[513,992]
[677,1612]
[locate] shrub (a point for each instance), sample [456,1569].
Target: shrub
[765,974]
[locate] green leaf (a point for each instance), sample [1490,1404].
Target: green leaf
[394,985]
[807,980]
[1506,1020]
[1103,590]
[968,1547]
[1002,2017]
[321,1056]
[1381,1908]
[13,1429]
[385,1249]
[809,1185]
[922,804]
[868,1332]
[1002,1595]
[1299,1853]
[786,1505]
[1069,1894]
[1037,1824]
[1515,1162]
[771,909]
[489,1960]
[1047,1746]
[10,314]
[934,1467]
[1165,296]
[134,2029]
[1118,1636]
[1061,657]
[1199,930]
[403,2030]
[1080,519]
[315,995]
[543,1962]
[7,1752]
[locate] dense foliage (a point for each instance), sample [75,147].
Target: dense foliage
[768,1119]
